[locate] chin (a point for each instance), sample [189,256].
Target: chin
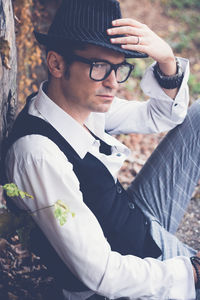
[103,108]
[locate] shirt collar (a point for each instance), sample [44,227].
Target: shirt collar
[80,139]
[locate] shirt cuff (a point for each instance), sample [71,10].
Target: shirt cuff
[183,286]
[151,87]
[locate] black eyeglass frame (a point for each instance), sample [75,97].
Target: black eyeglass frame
[114,67]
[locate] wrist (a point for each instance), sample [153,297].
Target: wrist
[195,275]
[195,261]
[168,68]
[169,81]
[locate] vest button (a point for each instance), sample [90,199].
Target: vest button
[119,189]
[131,205]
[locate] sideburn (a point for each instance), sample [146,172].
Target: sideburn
[67,71]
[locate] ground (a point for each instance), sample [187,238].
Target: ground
[22,277]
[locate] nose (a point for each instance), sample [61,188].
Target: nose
[111,81]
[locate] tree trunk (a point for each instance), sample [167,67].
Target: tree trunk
[8,68]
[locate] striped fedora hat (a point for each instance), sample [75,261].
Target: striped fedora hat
[85,21]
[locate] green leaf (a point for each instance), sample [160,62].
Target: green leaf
[63,220]
[13,191]
[61,212]
[58,212]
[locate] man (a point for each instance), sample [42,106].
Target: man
[120,243]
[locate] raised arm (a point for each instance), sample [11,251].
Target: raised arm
[139,37]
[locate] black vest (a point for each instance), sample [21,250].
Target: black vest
[123,223]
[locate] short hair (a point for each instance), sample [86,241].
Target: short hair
[66,51]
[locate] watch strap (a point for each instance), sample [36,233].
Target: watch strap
[169,82]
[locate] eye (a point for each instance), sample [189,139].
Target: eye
[100,65]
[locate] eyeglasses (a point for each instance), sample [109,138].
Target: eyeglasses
[101,69]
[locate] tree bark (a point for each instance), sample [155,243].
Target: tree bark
[8,68]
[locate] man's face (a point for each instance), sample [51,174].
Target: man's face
[84,95]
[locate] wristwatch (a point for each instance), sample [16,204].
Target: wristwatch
[169,82]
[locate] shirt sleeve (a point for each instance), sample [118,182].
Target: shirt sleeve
[159,113]
[45,173]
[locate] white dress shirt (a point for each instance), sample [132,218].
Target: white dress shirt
[38,167]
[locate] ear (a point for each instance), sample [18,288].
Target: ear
[56,64]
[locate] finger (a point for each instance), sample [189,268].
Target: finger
[139,48]
[126,40]
[124,30]
[126,22]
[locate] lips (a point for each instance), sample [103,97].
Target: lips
[106,96]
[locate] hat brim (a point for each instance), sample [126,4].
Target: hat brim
[47,40]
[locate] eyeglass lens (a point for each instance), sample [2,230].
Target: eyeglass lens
[100,70]
[123,73]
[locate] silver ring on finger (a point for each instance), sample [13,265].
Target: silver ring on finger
[138,40]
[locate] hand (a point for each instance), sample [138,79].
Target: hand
[198,266]
[139,37]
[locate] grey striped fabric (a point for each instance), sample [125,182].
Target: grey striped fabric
[164,186]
